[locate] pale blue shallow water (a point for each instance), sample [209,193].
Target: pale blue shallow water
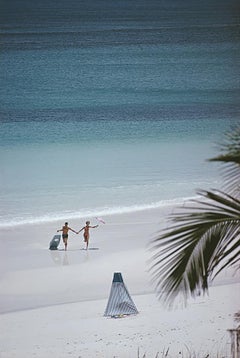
[112,108]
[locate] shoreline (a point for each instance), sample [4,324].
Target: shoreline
[128,210]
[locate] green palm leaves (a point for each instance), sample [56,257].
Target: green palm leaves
[203,240]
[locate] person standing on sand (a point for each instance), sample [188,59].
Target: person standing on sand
[65,230]
[86,234]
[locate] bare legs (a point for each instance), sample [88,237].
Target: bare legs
[65,243]
[86,239]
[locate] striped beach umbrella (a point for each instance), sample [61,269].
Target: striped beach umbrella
[120,302]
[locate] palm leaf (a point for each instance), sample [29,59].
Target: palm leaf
[203,240]
[231,158]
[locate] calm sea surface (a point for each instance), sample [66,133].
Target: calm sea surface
[112,106]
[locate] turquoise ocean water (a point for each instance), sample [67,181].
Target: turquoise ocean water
[112,106]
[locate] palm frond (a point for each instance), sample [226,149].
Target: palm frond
[203,240]
[231,157]
[231,176]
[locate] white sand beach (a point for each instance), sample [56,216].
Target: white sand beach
[52,302]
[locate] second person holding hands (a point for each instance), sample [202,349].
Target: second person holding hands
[86,233]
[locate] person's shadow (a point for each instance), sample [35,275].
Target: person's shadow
[57,259]
[65,261]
